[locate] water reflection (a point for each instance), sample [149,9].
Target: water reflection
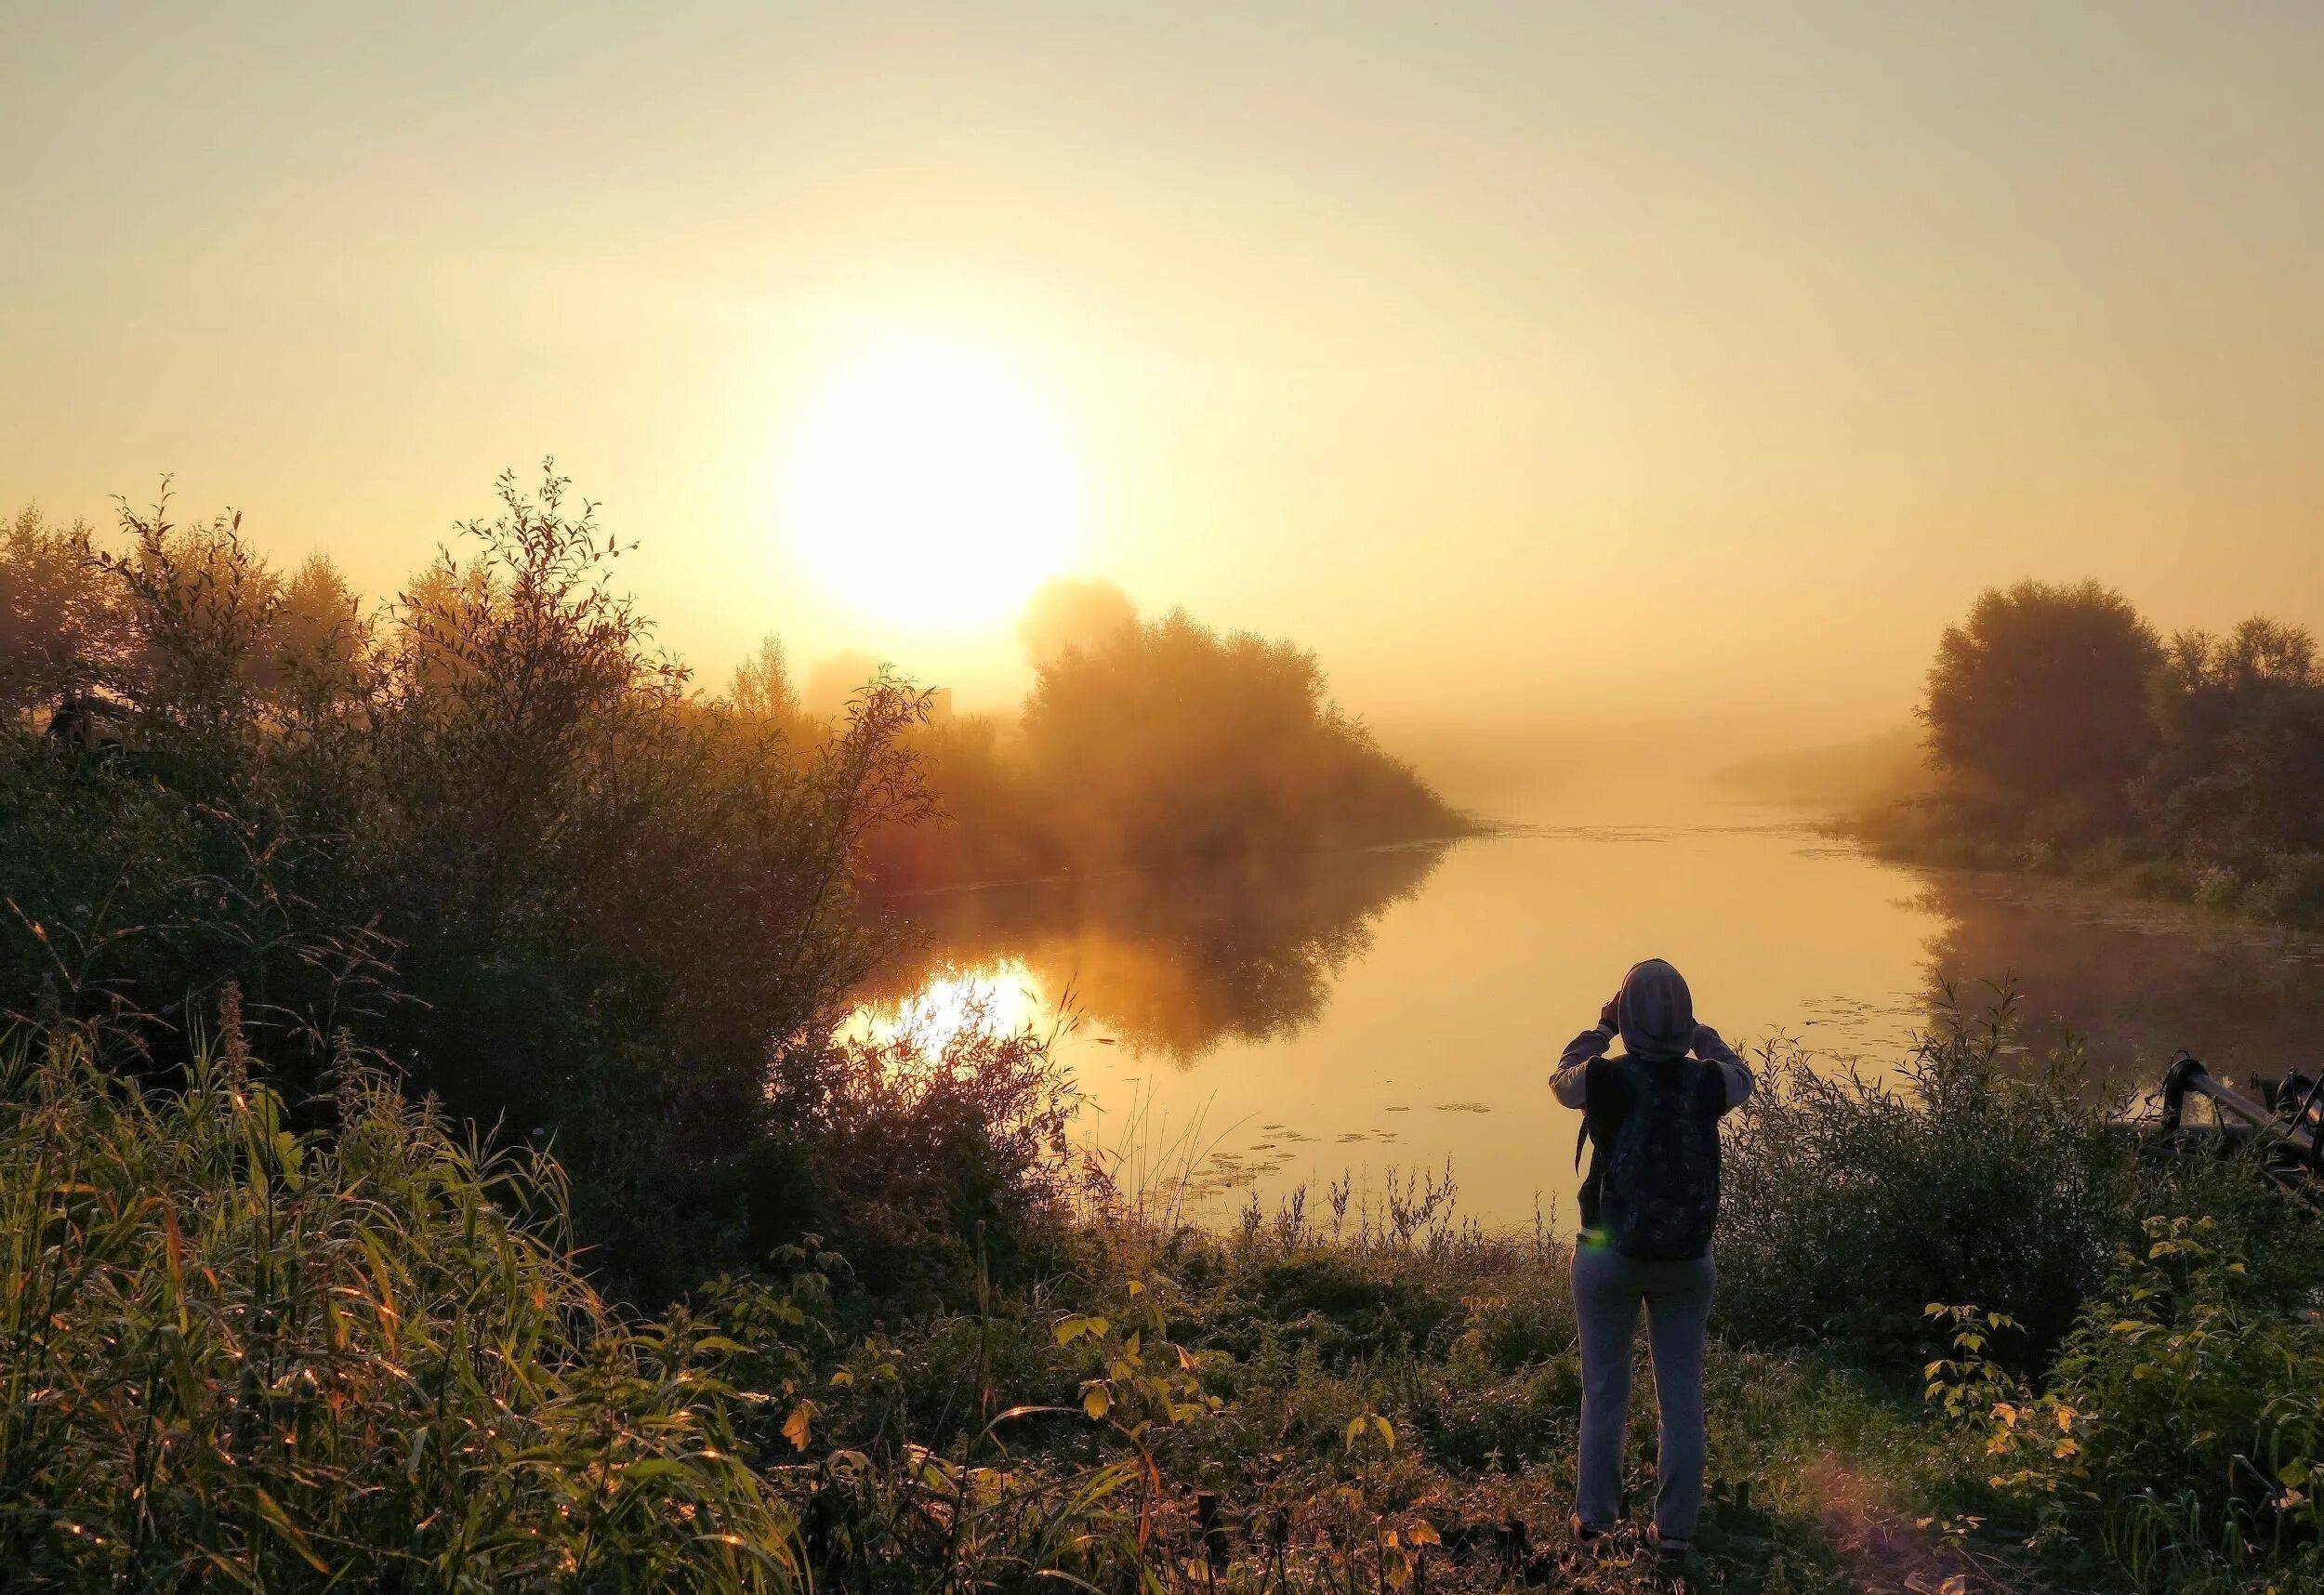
[2134,981]
[1352,1014]
[930,1006]
[1172,965]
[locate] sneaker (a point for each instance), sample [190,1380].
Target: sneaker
[1585,1536]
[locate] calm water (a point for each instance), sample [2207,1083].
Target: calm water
[1385,1011]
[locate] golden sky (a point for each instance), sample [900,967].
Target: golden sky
[1526,359]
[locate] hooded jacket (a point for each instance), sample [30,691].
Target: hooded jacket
[1657,1022]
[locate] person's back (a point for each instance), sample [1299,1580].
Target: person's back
[1650,1207]
[1656,1123]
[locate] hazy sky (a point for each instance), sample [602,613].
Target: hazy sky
[1520,357]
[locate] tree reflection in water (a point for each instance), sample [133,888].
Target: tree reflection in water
[2133,981]
[1171,964]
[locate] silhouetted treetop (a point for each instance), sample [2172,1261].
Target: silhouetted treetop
[2042,694]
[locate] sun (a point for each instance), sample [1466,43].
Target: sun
[932,486]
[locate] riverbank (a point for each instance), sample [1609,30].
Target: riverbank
[2282,891]
[363,1354]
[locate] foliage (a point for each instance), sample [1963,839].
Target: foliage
[384,1333]
[2181,1430]
[2066,739]
[1157,743]
[2241,754]
[60,622]
[1164,740]
[1850,1204]
[490,826]
[237,1353]
[2042,695]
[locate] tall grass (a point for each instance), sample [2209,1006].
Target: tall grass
[236,1356]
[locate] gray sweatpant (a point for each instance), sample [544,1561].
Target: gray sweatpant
[1608,1290]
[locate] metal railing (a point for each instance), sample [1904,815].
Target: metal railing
[2284,1121]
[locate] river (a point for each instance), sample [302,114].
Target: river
[1393,1013]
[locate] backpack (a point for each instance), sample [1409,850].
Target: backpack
[1653,1186]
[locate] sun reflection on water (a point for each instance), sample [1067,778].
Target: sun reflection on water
[1000,997]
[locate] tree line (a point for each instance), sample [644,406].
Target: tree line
[491,832]
[2067,732]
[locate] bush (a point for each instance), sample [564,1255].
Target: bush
[1850,1205]
[490,826]
[2181,1430]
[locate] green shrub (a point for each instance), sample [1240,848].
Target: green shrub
[2181,1426]
[1851,1203]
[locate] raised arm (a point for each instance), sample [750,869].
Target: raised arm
[1570,1084]
[1712,1048]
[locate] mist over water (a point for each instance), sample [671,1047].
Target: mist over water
[1400,1009]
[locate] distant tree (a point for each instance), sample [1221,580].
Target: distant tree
[62,625]
[2241,758]
[761,688]
[2041,698]
[320,624]
[1164,740]
[1072,611]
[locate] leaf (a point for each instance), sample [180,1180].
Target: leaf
[1355,1427]
[842,1377]
[1422,1532]
[1387,1431]
[289,1153]
[654,1468]
[279,1521]
[177,1245]
[796,1427]
[1096,1399]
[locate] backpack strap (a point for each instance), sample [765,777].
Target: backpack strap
[1592,1107]
[1601,1094]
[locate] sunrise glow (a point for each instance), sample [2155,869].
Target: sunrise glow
[1000,997]
[932,486]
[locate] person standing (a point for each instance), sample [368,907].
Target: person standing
[1648,1207]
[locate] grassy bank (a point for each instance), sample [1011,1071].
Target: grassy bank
[362,1355]
[2278,888]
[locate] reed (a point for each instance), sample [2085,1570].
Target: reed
[232,1355]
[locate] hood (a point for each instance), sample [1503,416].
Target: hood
[1658,1011]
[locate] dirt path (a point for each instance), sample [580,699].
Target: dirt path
[1884,1551]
